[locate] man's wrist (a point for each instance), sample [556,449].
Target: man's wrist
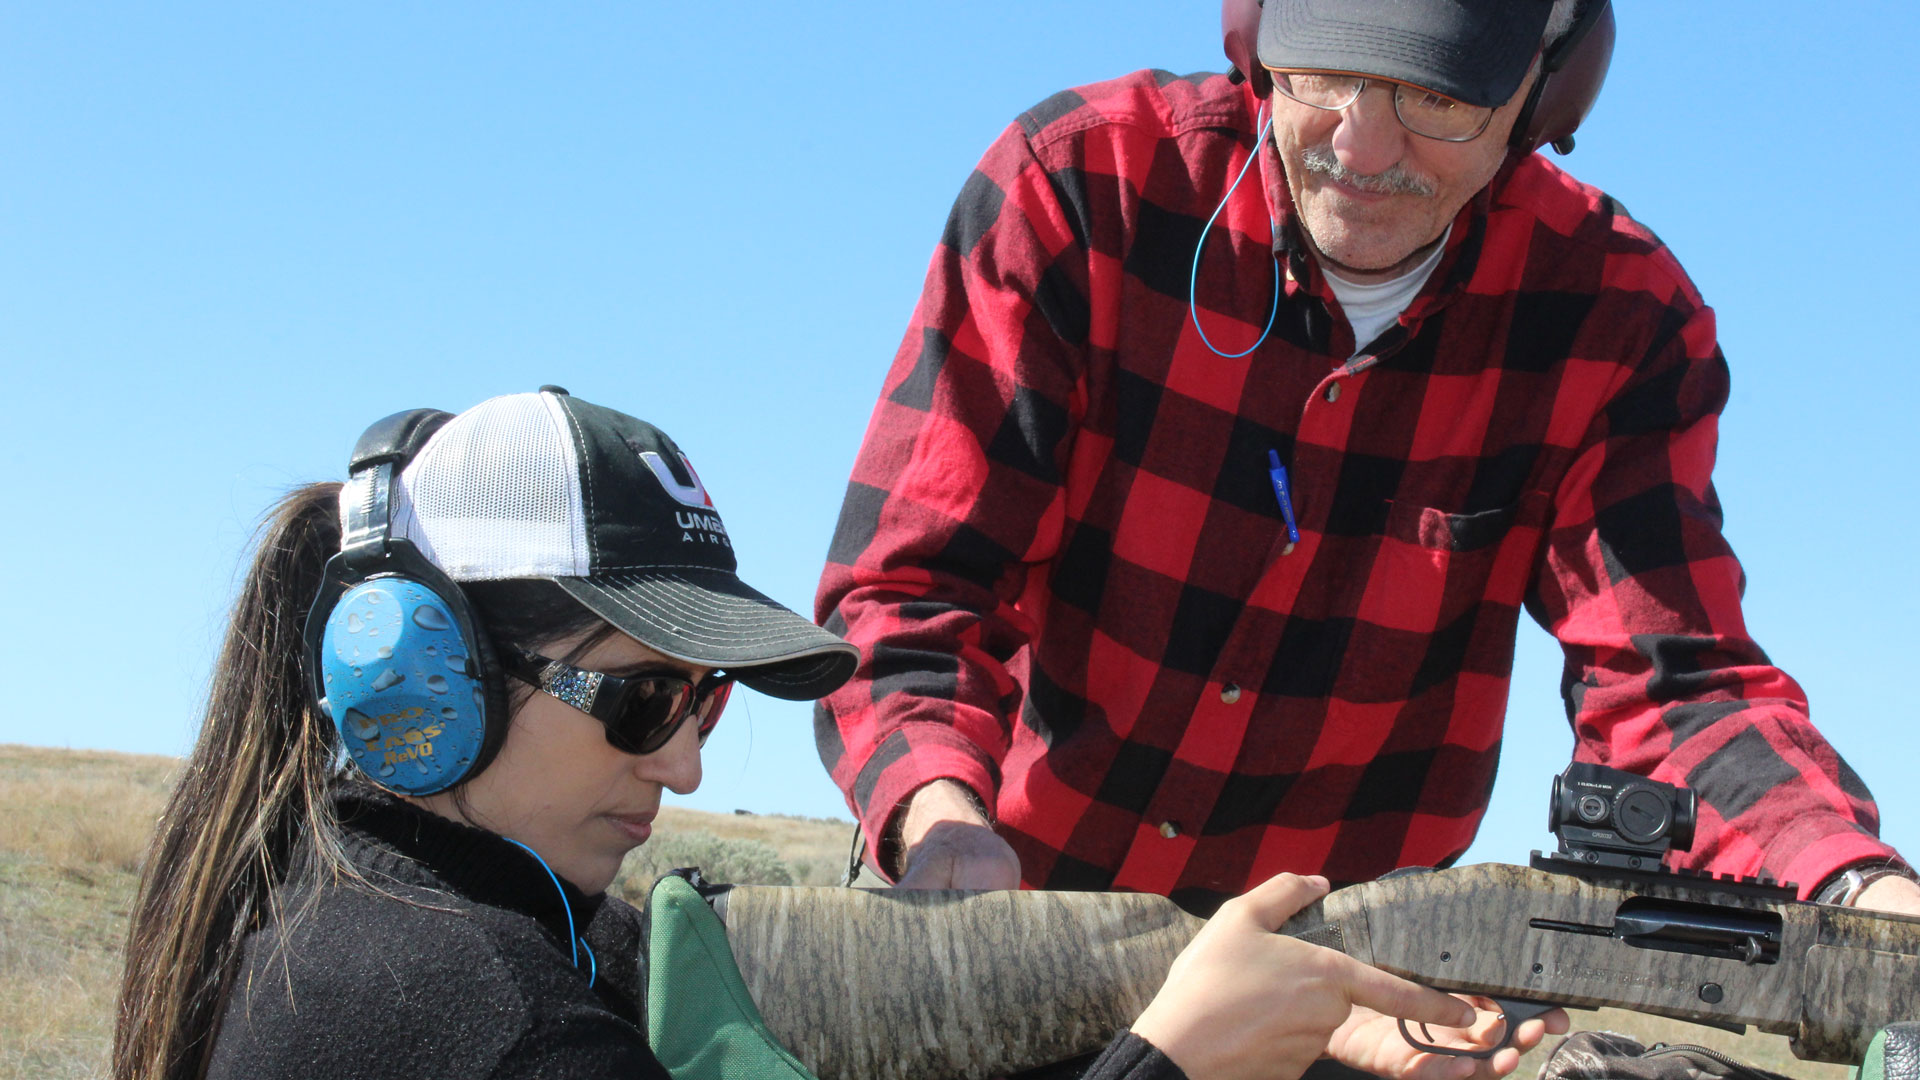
[935,801]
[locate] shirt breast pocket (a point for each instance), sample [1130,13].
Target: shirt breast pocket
[1437,567]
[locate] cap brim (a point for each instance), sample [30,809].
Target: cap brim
[1478,53]
[712,618]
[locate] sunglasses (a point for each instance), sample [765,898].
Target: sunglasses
[641,712]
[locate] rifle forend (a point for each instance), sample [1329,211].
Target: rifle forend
[879,985]
[1718,953]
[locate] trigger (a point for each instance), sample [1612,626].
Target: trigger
[1519,1012]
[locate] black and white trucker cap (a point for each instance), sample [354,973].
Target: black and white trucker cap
[545,485]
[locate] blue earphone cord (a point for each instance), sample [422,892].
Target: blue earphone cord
[593,966]
[1193,308]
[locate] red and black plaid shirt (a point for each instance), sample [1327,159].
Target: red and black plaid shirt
[1065,565]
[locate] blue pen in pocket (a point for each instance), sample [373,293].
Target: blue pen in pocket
[1284,494]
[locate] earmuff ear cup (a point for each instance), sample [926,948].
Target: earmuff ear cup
[403,686]
[1569,83]
[1240,34]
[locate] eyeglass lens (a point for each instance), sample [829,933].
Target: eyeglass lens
[654,709]
[1423,112]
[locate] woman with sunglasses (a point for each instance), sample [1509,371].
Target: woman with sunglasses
[451,695]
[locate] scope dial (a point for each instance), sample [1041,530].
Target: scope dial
[1641,816]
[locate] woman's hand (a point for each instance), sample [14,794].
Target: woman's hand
[1244,1001]
[1371,1042]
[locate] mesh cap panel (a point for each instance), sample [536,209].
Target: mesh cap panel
[496,494]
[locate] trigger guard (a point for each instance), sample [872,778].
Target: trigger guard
[1513,1013]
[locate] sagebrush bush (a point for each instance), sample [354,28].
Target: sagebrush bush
[722,860]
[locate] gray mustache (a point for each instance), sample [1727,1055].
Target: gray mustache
[1395,181]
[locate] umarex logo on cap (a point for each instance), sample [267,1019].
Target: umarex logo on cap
[700,525]
[694,494]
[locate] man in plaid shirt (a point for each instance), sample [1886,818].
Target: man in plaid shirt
[1094,656]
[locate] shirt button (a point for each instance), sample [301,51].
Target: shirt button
[1230,693]
[1333,392]
[1169,830]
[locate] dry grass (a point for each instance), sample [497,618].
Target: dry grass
[73,825]
[73,828]
[86,812]
[814,848]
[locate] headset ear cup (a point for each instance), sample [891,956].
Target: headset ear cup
[1569,83]
[404,675]
[1240,36]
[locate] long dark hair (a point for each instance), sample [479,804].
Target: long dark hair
[255,788]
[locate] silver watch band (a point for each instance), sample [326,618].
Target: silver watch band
[1844,888]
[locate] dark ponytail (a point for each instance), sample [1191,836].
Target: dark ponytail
[254,786]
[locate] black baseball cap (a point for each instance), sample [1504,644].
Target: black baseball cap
[1476,51]
[546,485]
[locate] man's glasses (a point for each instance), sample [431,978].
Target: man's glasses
[641,712]
[1422,112]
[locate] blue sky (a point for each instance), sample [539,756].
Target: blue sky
[231,235]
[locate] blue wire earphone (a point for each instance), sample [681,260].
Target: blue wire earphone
[1193,307]
[578,943]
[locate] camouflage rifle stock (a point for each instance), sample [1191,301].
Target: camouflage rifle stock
[879,985]
[874,985]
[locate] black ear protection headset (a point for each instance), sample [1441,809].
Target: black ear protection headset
[1571,73]
[396,658]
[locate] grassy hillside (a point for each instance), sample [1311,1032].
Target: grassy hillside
[74,825]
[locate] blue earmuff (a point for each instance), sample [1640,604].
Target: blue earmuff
[396,658]
[401,686]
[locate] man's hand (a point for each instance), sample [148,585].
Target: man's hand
[1372,1043]
[1895,895]
[949,844]
[1244,1001]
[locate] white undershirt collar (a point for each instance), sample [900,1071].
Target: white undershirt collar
[1372,308]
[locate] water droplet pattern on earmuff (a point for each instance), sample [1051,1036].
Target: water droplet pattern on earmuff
[390,658]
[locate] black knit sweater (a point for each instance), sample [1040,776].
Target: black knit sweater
[456,963]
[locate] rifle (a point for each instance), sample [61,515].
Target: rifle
[879,985]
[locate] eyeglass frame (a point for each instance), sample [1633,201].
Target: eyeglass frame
[605,697]
[1279,84]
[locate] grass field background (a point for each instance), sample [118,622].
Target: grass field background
[74,825]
